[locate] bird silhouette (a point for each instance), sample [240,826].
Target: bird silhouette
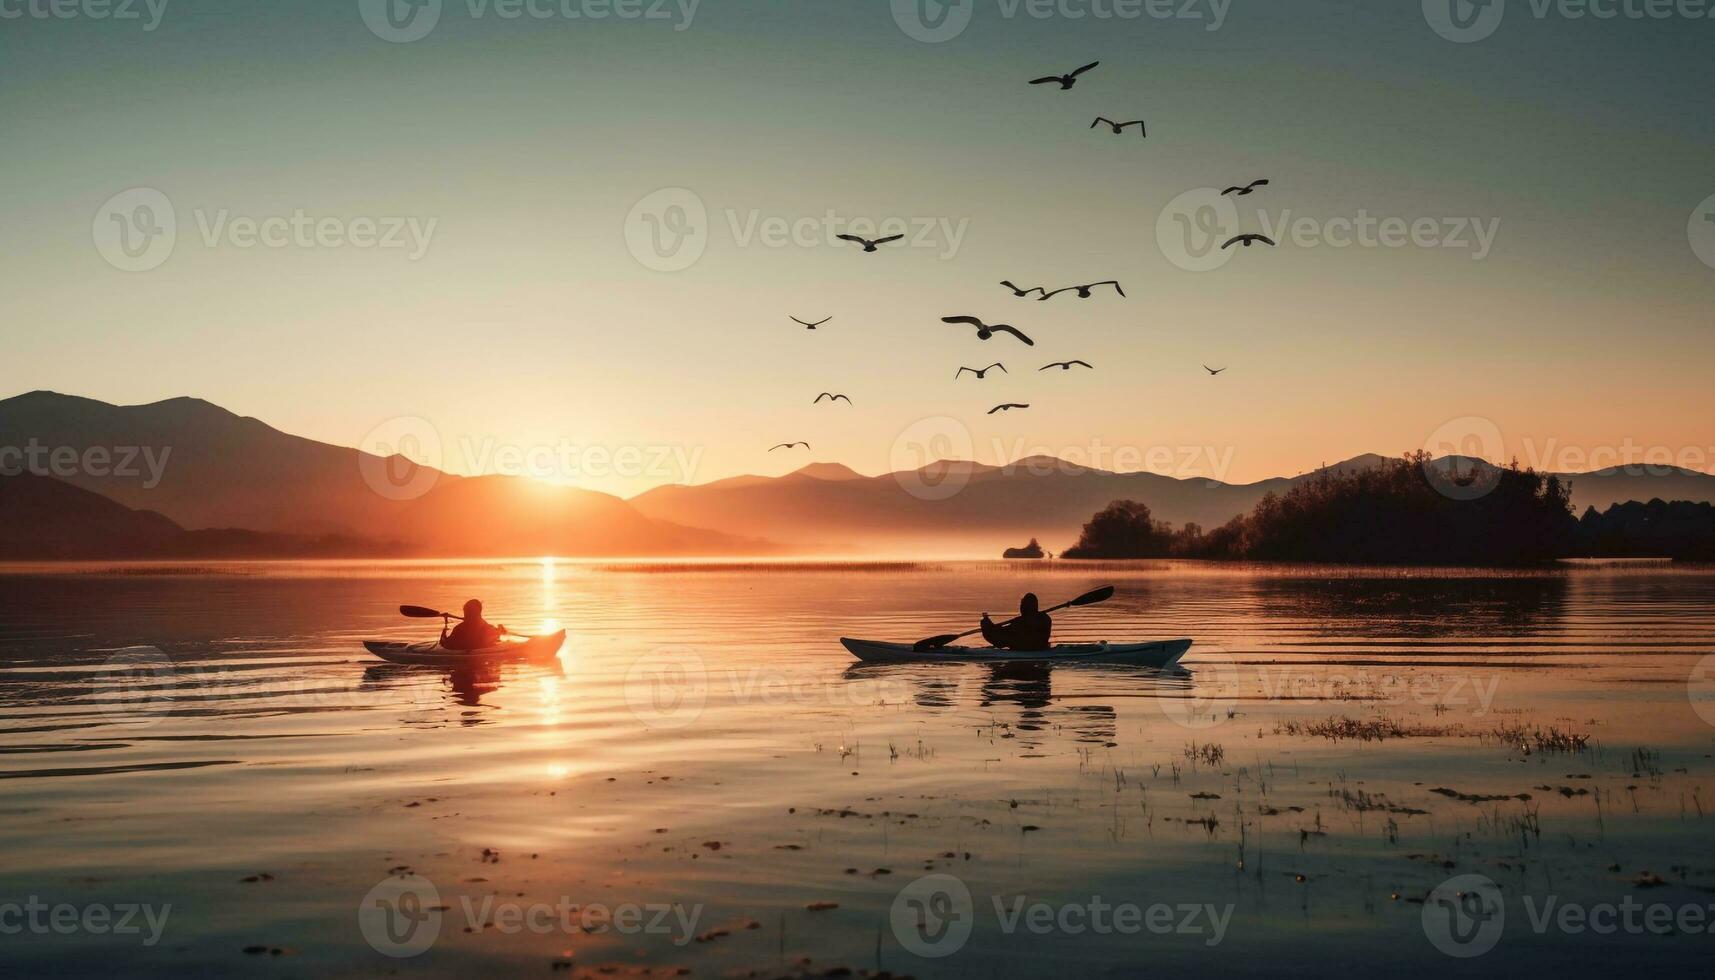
[1213,371]
[807,325]
[1247,240]
[981,373]
[985,331]
[1067,80]
[1006,408]
[1066,365]
[1083,291]
[1021,293]
[1118,127]
[831,397]
[789,445]
[1247,189]
[869,246]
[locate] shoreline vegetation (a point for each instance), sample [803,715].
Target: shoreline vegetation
[1413,510]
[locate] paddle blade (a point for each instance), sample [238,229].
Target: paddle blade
[934,642]
[420,612]
[1102,594]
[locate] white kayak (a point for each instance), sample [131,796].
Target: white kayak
[433,654]
[1161,653]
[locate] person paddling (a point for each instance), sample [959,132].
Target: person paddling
[1030,631]
[473,633]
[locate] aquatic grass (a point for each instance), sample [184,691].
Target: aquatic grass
[1526,740]
[1343,728]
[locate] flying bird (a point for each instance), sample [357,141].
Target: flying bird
[831,397]
[1066,365]
[981,373]
[1066,81]
[807,325]
[1247,240]
[869,246]
[1083,291]
[1213,371]
[1021,293]
[1118,127]
[1247,189]
[1006,408]
[984,331]
[789,445]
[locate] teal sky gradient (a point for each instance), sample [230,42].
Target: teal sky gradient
[529,322]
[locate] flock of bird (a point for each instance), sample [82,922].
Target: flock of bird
[987,331]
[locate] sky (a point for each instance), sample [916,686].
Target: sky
[546,244]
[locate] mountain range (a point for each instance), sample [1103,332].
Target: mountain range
[203,480]
[202,468]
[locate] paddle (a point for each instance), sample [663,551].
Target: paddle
[1102,594]
[424,612]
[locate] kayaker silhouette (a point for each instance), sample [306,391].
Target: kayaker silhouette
[1030,631]
[473,633]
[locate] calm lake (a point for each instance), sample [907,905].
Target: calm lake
[204,774]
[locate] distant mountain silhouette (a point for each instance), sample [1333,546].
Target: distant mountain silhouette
[506,516]
[237,485]
[41,517]
[45,518]
[1040,496]
[220,470]
[245,489]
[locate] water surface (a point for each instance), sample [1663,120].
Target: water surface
[214,739]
